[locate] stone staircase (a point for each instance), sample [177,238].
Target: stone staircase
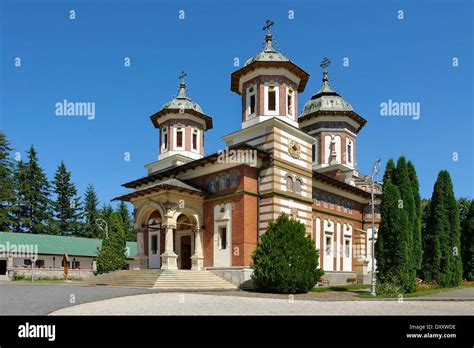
[143,278]
[191,280]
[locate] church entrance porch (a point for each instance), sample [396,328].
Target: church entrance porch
[169,234]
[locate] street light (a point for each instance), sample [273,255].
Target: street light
[375,170]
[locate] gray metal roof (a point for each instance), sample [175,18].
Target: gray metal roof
[326,100]
[182,101]
[269,54]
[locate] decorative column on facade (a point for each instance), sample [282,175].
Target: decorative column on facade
[169,258]
[141,255]
[198,257]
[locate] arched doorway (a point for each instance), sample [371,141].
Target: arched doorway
[184,241]
[155,240]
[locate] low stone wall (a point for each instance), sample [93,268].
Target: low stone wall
[52,273]
[338,278]
[239,276]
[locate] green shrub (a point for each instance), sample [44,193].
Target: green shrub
[390,287]
[285,260]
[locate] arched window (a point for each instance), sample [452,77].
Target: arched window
[222,182]
[349,154]
[234,179]
[326,200]
[289,183]
[212,184]
[349,207]
[298,185]
[164,138]
[318,198]
[331,201]
[338,204]
[344,206]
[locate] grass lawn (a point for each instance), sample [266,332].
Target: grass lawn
[341,288]
[430,291]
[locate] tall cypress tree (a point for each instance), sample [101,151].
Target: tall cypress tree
[127,222]
[467,243]
[408,208]
[66,206]
[36,196]
[91,213]
[417,245]
[7,193]
[442,247]
[394,243]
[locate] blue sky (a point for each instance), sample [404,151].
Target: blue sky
[407,60]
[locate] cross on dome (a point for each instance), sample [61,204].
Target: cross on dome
[182,85]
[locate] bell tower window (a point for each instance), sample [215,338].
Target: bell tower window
[179,137]
[349,151]
[271,99]
[251,101]
[289,102]
[164,137]
[195,139]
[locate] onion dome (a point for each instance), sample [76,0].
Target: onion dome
[180,105]
[268,58]
[326,100]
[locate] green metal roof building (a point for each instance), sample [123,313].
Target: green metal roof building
[59,245]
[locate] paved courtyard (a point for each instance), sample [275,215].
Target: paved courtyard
[199,304]
[20,298]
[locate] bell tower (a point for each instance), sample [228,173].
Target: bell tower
[269,84]
[181,123]
[334,125]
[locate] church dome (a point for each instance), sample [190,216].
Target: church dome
[182,101]
[326,100]
[269,54]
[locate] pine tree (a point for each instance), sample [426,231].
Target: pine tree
[105,213]
[19,211]
[91,213]
[417,245]
[66,206]
[441,259]
[127,222]
[467,243]
[393,248]
[111,254]
[36,196]
[7,193]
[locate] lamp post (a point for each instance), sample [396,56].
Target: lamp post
[375,170]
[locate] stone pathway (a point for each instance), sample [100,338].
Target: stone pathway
[199,304]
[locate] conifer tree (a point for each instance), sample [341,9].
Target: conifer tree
[393,248]
[105,213]
[6,184]
[127,222]
[66,205]
[111,254]
[417,245]
[91,213]
[19,211]
[467,243]
[442,250]
[36,196]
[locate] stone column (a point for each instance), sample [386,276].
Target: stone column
[141,252]
[198,257]
[168,258]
